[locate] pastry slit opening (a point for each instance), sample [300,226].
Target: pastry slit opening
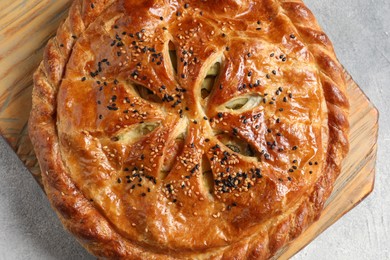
[243,103]
[209,82]
[172,152]
[174,148]
[237,145]
[172,56]
[147,94]
[207,176]
[136,133]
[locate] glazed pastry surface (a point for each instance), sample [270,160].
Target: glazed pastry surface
[189,129]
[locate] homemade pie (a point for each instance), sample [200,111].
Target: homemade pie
[197,129]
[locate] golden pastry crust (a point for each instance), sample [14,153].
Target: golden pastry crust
[140,161]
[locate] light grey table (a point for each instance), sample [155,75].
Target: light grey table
[360,31]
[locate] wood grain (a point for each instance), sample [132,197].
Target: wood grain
[25,27]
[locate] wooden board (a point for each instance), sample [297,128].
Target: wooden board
[25,27]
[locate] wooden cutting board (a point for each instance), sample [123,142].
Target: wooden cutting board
[25,27]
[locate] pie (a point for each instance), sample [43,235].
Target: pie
[189,129]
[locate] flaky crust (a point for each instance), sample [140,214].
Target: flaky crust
[148,199]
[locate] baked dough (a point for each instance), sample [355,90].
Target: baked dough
[189,129]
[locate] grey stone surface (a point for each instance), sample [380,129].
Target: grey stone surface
[360,32]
